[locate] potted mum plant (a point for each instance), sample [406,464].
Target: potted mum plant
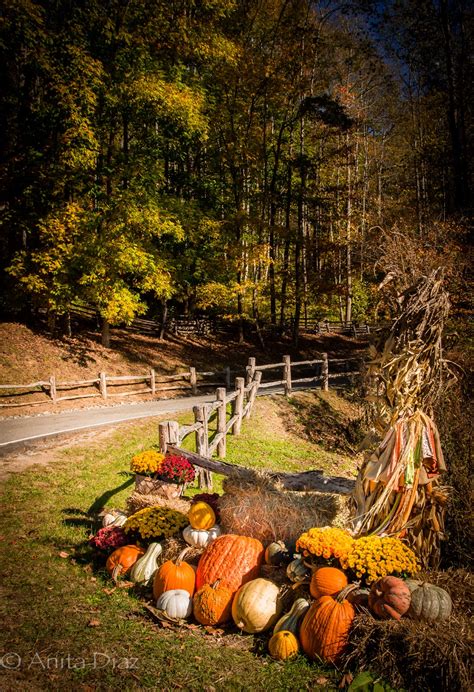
[160,474]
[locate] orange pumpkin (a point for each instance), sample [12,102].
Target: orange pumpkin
[232,559]
[212,604]
[174,574]
[122,560]
[325,628]
[389,597]
[327,581]
[283,645]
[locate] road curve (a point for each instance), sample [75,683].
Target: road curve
[28,429]
[14,431]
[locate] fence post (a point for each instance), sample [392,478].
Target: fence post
[52,389]
[325,372]
[287,375]
[221,421]
[103,384]
[238,404]
[227,377]
[193,380]
[253,391]
[250,370]
[168,433]
[153,381]
[202,445]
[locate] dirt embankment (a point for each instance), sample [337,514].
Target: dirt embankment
[28,356]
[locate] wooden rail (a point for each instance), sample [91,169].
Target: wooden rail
[207,440]
[171,434]
[109,386]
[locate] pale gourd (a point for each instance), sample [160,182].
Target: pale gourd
[290,621]
[201,538]
[176,603]
[145,567]
[256,606]
[114,518]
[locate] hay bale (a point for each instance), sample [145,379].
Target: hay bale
[419,655]
[413,655]
[174,545]
[260,508]
[137,501]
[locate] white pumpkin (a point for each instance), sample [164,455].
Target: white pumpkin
[257,605]
[201,538]
[145,567]
[177,603]
[115,517]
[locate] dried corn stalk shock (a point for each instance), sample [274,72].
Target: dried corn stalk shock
[398,490]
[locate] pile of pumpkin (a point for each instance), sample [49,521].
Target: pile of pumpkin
[227,586]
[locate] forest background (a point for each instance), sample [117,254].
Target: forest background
[256,160]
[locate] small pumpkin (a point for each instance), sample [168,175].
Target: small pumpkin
[389,597]
[327,581]
[201,516]
[276,553]
[201,538]
[212,605]
[145,567]
[325,628]
[174,574]
[290,621]
[256,605]
[122,560]
[176,603]
[283,645]
[428,602]
[233,559]
[297,571]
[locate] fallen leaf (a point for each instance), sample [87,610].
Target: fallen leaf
[93,623]
[322,680]
[63,554]
[346,680]
[93,578]
[109,592]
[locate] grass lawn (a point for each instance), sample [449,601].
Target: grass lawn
[66,627]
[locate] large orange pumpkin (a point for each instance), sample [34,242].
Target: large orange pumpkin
[174,574]
[122,560]
[234,560]
[325,628]
[212,604]
[327,581]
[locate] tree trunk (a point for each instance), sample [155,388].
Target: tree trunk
[307,480]
[164,317]
[105,333]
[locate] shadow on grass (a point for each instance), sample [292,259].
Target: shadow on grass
[100,502]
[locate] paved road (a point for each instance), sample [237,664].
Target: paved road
[14,431]
[26,430]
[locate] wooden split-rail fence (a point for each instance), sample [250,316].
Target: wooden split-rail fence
[208,442]
[190,381]
[110,386]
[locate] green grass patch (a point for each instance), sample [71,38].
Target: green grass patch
[64,624]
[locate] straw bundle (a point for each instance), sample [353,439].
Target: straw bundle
[416,655]
[137,501]
[261,509]
[398,489]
